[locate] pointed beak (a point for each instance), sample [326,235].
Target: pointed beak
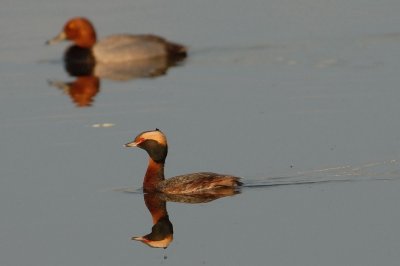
[131,144]
[140,238]
[60,37]
[164,243]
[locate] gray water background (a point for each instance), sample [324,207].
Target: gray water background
[270,89]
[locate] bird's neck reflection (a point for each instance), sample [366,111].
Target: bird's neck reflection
[82,90]
[162,230]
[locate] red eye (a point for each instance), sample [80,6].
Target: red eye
[140,140]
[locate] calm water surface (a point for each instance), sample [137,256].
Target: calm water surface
[278,92]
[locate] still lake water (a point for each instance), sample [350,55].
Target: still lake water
[278,92]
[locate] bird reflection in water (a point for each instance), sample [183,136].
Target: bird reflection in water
[162,230]
[79,63]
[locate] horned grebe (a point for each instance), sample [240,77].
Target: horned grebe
[155,143]
[117,48]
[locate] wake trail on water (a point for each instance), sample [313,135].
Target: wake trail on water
[384,170]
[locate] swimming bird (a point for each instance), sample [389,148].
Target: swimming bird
[154,142]
[114,48]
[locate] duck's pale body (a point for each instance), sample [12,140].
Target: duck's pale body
[124,47]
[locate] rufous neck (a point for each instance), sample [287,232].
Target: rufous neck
[154,175]
[86,40]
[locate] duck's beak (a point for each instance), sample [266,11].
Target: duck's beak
[131,144]
[60,37]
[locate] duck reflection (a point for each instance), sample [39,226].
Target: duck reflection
[82,91]
[80,63]
[162,232]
